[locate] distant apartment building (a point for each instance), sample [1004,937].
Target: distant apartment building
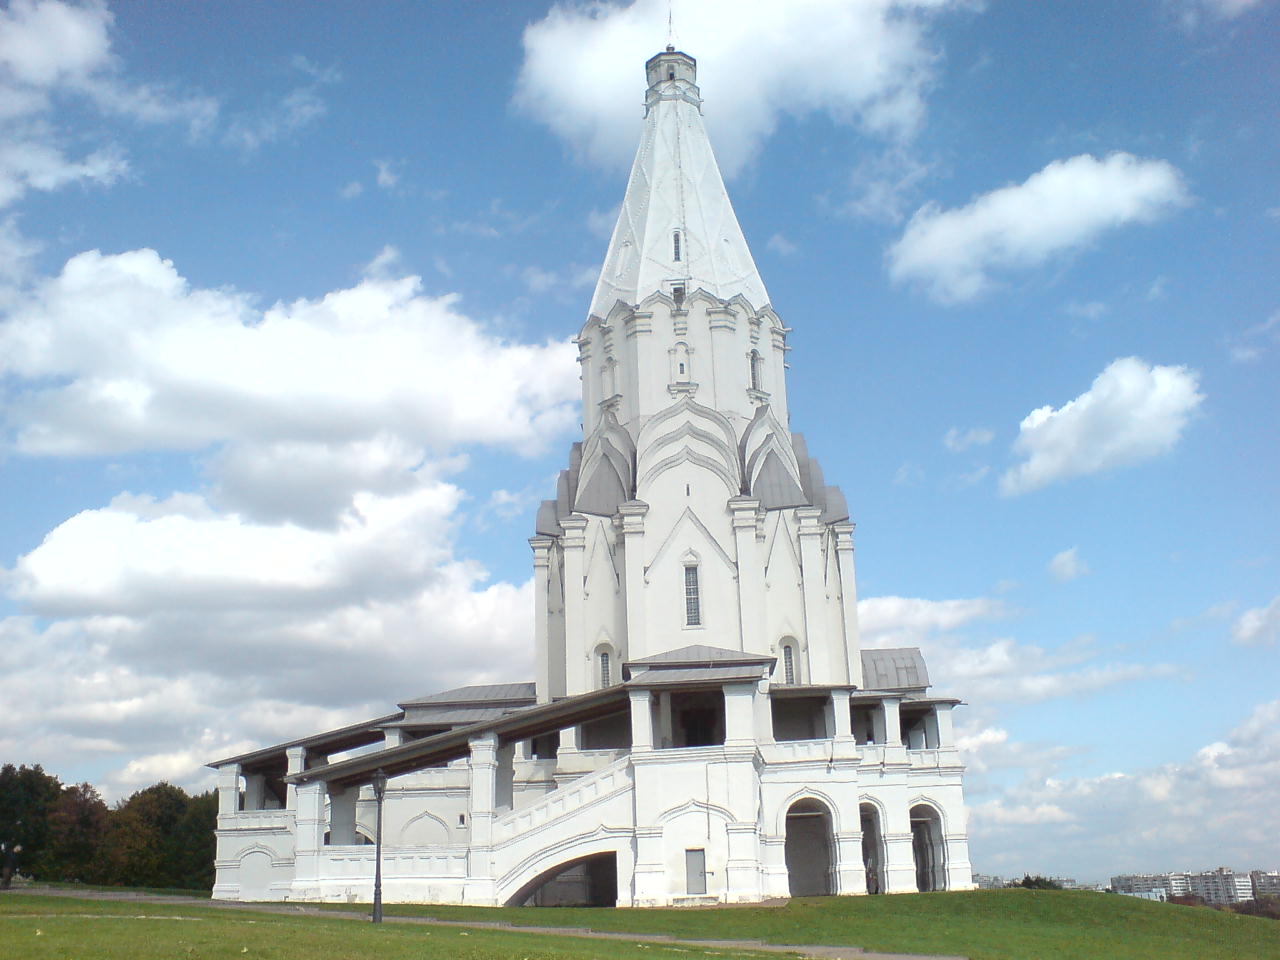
[1265,884]
[989,881]
[1220,887]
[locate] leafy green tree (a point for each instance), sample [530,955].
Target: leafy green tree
[1038,883]
[78,827]
[27,795]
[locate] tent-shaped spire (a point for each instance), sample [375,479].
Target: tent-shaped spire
[677,224]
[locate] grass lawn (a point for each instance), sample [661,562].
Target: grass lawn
[60,928]
[982,924]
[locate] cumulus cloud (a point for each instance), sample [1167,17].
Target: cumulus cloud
[757,61]
[1067,205]
[1215,806]
[158,632]
[1258,625]
[122,354]
[1132,412]
[1067,565]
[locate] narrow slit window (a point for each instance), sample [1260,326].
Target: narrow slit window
[605,679]
[692,601]
[788,665]
[675,246]
[755,369]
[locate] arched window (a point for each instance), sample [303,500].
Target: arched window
[606,678]
[681,363]
[788,665]
[675,246]
[692,599]
[757,366]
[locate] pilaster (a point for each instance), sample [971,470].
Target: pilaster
[229,790]
[814,595]
[745,511]
[739,714]
[541,615]
[641,721]
[481,804]
[295,762]
[574,542]
[637,638]
[852,646]
[309,829]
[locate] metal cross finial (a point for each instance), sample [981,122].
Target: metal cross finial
[671,33]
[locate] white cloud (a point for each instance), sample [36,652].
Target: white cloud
[351,190]
[893,621]
[782,246]
[1255,341]
[50,48]
[1192,13]
[1067,565]
[1258,625]
[1067,205]
[1002,670]
[885,186]
[388,172]
[539,280]
[293,112]
[39,164]
[122,354]
[958,440]
[1132,412]
[1215,806]
[46,43]
[757,61]
[601,222]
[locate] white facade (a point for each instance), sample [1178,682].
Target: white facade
[703,725]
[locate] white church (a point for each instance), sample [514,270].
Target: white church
[704,726]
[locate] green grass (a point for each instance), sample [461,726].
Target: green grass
[62,928]
[162,891]
[983,924]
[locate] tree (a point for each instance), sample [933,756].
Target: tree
[78,828]
[27,795]
[1038,883]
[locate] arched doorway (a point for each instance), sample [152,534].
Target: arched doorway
[808,849]
[928,848]
[872,847]
[588,882]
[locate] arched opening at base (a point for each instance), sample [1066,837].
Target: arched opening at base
[808,849]
[928,848]
[872,847]
[588,882]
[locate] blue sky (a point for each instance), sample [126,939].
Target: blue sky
[285,309]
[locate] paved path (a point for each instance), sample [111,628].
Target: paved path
[819,951]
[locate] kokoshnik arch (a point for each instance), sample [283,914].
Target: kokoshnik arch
[704,725]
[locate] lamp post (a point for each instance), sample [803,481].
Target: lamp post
[379,791]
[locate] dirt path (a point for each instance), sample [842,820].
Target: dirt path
[817,951]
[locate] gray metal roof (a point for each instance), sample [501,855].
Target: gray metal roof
[715,674]
[490,693]
[330,741]
[900,668]
[701,653]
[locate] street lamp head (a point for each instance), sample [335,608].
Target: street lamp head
[379,784]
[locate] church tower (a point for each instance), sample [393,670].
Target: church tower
[690,515]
